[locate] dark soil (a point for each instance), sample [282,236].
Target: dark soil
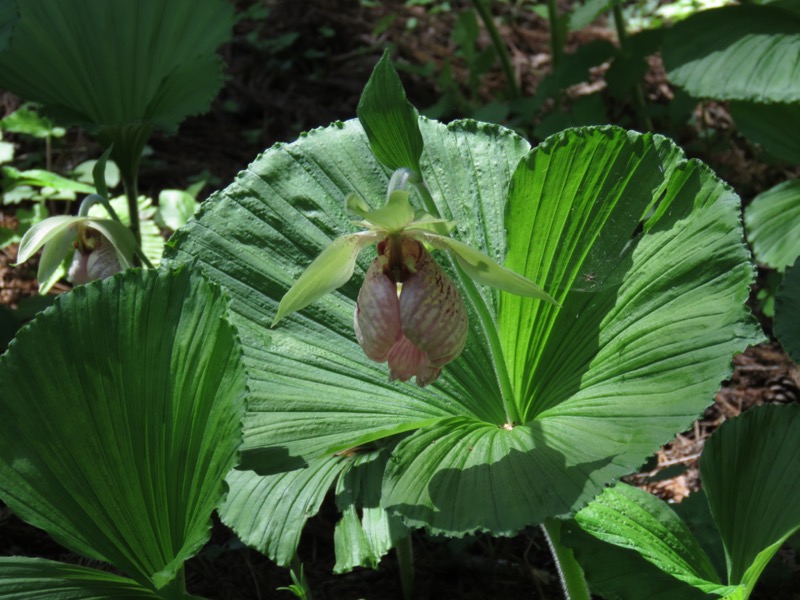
[271,95]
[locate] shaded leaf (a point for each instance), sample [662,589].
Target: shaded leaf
[750,476]
[772,221]
[39,579]
[115,465]
[787,307]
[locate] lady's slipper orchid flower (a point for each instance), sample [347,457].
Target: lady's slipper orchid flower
[409,312]
[102,246]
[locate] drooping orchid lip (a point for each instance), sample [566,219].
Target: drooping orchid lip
[419,323]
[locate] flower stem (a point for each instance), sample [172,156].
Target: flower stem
[487,322]
[569,571]
[405,562]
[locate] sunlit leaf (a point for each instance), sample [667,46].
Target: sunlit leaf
[642,248]
[631,518]
[736,53]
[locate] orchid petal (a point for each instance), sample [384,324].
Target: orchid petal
[377,314]
[432,312]
[120,237]
[394,216]
[330,270]
[55,250]
[41,233]
[481,268]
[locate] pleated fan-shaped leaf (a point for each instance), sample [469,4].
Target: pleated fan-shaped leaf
[642,248]
[120,416]
[767,124]
[23,578]
[117,64]
[736,53]
[749,472]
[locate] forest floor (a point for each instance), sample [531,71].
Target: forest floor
[304,66]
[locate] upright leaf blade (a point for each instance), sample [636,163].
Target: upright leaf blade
[750,476]
[389,119]
[631,518]
[120,416]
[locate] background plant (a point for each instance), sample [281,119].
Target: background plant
[122,81]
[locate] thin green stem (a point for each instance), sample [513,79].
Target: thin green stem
[556,37]
[638,93]
[569,571]
[499,46]
[487,322]
[131,185]
[405,562]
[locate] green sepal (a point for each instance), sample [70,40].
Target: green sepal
[389,120]
[330,270]
[481,268]
[41,233]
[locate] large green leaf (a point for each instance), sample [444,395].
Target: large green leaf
[787,308]
[750,475]
[618,573]
[38,579]
[767,124]
[631,518]
[268,511]
[772,220]
[112,64]
[120,416]
[536,416]
[736,53]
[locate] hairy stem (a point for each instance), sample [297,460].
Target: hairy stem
[569,571]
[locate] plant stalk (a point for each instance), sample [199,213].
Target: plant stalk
[500,47]
[556,41]
[405,562]
[488,325]
[569,571]
[638,93]
[175,589]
